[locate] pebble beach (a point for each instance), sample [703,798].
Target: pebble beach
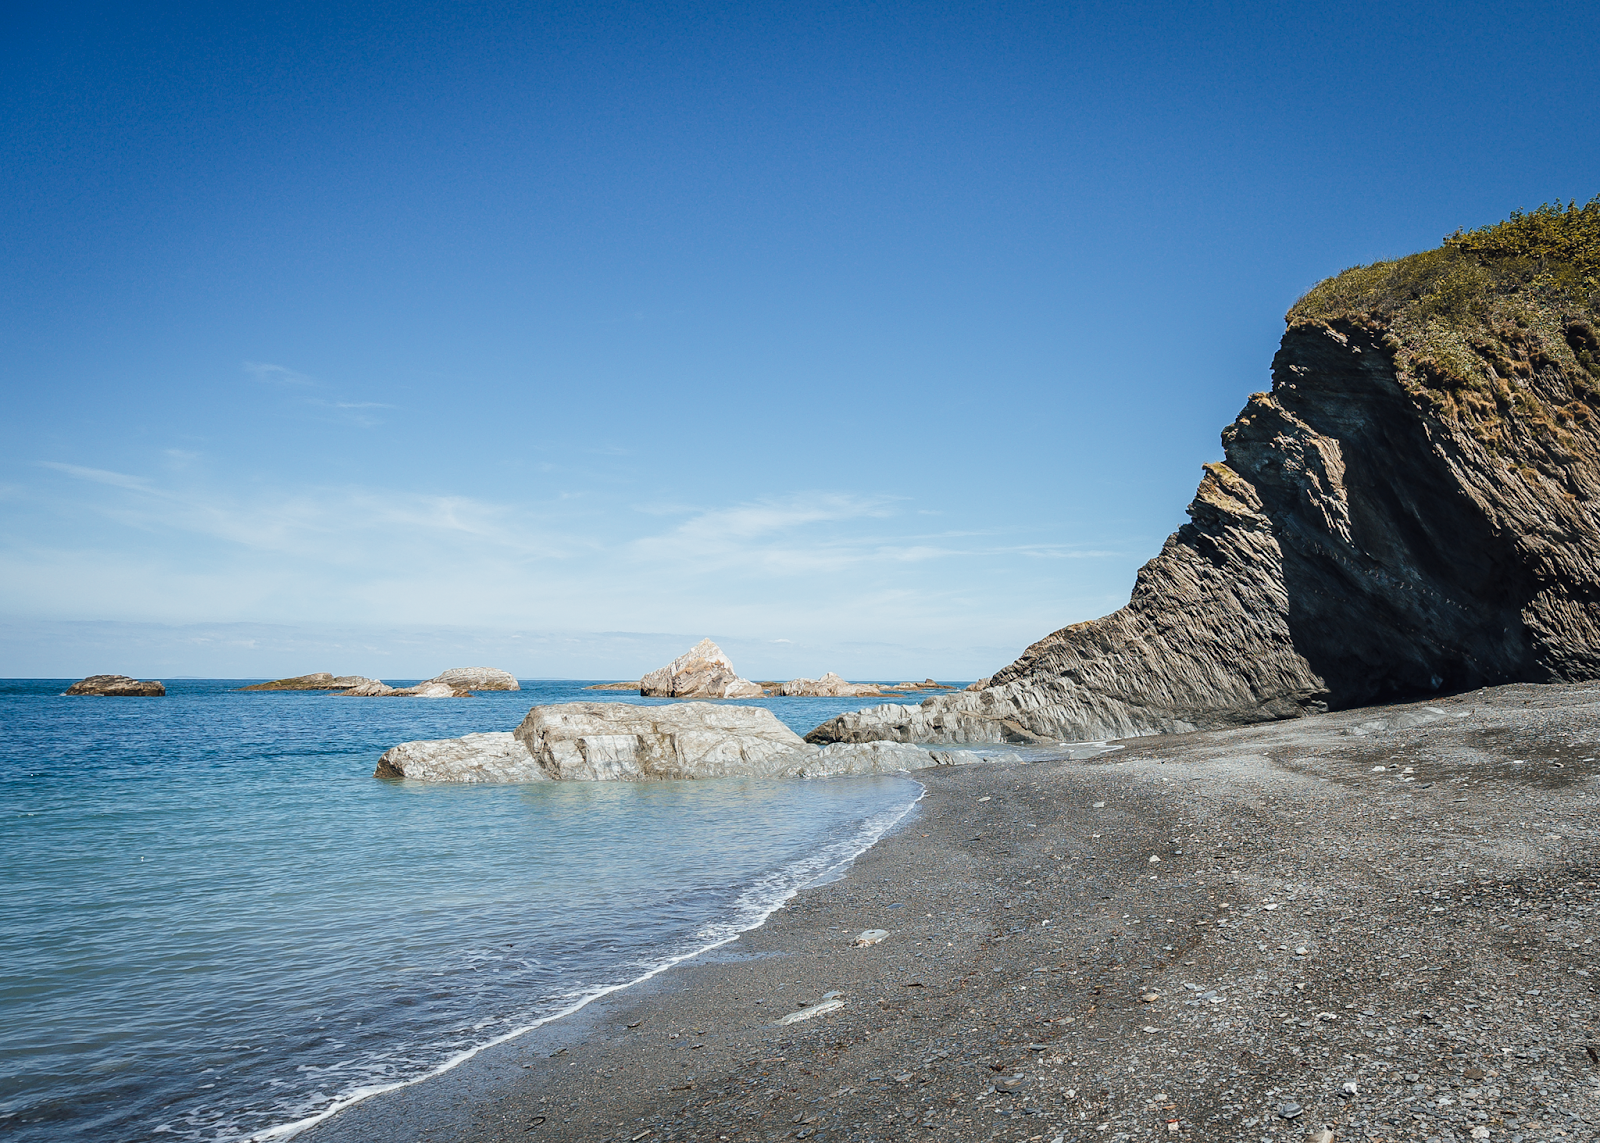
[1373,925]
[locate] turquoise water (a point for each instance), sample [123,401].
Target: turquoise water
[217,924]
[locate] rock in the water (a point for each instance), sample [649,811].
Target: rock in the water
[117,686]
[605,741]
[633,686]
[829,685]
[478,679]
[703,671]
[317,681]
[370,688]
[431,689]
[497,757]
[1413,508]
[600,742]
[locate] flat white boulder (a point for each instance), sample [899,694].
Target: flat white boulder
[496,757]
[702,671]
[606,741]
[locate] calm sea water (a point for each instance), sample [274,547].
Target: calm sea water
[216,924]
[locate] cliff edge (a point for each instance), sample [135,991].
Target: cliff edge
[1412,509]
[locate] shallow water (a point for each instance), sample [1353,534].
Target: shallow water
[217,922]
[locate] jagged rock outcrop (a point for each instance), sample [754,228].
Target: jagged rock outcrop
[478,679]
[603,742]
[829,685]
[1413,508]
[117,686]
[316,681]
[703,671]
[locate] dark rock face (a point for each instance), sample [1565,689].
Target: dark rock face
[1364,540]
[117,686]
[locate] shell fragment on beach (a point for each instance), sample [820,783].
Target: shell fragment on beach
[870,937]
[821,1008]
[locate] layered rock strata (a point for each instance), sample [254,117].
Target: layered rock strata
[601,742]
[1414,508]
[703,671]
[317,681]
[117,686]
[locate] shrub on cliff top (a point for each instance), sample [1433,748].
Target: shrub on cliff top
[1496,327]
[1550,255]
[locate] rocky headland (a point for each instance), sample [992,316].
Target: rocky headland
[117,686]
[1411,510]
[608,741]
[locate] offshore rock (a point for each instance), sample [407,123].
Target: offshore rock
[608,742]
[478,679]
[829,685]
[497,757]
[1414,508]
[117,686]
[317,681]
[703,671]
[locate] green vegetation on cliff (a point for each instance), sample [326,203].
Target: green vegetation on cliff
[1498,328]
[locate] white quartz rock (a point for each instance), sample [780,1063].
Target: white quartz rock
[602,741]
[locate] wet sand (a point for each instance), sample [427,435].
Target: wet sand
[1246,934]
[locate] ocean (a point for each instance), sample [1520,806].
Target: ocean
[217,925]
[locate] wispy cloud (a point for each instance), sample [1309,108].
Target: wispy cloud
[276,374]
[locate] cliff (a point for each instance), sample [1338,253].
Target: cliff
[1411,509]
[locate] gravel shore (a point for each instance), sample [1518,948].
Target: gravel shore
[1372,925]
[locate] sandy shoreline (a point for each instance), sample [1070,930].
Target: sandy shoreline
[1299,921]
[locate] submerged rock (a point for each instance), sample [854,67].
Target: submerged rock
[602,742]
[117,686]
[703,671]
[478,679]
[1413,508]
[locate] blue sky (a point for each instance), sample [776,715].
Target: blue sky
[877,338]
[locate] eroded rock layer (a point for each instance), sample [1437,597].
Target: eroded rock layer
[1412,509]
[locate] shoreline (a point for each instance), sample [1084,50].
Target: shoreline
[1201,936]
[838,868]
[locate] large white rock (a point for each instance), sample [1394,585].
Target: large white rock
[829,685]
[604,742]
[703,671]
[478,679]
[497,757]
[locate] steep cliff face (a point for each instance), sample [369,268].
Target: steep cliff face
[1411,509]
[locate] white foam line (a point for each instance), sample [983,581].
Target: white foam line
[289,1130]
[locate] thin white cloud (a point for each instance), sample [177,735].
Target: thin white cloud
[275,374]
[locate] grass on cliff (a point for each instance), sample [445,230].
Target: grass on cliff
[1499,324]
